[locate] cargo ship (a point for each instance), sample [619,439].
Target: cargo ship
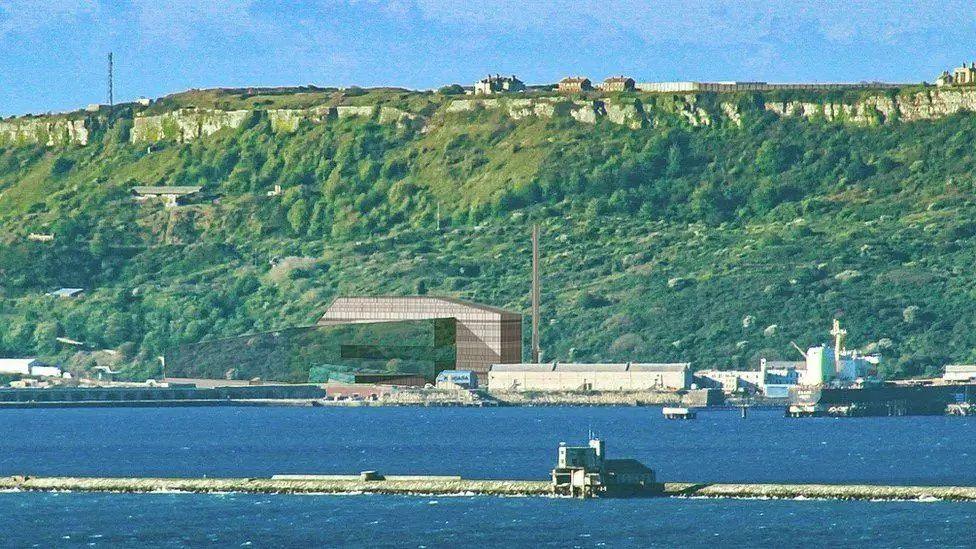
[882,399]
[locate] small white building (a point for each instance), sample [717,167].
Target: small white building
[959,373]
[67,292]
[44,370]
[778,373]
[497,83]
[171,195]
[16,366]
[731,381]
[457,379]
[782,372]
[30,367]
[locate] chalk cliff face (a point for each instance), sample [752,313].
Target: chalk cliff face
[880,109]
[48,131]
[185,124]
[628,113]
[188,124]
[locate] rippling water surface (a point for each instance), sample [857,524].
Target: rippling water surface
[477,443]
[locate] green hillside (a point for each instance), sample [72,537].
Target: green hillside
[714,243]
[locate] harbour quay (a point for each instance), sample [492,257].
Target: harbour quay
[173,395]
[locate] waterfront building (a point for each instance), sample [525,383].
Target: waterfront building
[959,373]
[730,381]
[772,379]
[781,372]
[483,335]
[457,379]
[17,366]
[559,376]
[585,471]
[30,367]
[358,337]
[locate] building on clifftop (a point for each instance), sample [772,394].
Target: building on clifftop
[960,76]
[498,84]
[574,84]
[618,84]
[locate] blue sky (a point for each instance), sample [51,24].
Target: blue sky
[53,51]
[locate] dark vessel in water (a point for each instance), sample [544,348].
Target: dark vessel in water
[882,399]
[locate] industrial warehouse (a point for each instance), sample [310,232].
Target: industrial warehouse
[589,377]
[483,335]
[385,337]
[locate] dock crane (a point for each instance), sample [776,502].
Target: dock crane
[798,349]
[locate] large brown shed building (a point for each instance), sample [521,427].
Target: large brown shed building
[485,335]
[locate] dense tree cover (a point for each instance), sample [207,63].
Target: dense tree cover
[715,244]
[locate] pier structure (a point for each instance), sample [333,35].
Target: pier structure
[585,472]
[679,412]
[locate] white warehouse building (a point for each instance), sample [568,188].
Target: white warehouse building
[557,376]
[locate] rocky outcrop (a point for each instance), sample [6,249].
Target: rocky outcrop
[48,131]
[625,112]
[188,124]
[368,111]
[287,120]
[629,113]
[928,104]
[185,125]
[732,113]
[393,115]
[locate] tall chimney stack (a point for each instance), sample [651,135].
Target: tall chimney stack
[535,294]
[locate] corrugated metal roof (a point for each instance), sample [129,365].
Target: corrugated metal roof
[594,367]
[521,367]
[448,299]
[786,365]
[960,368]
[597,367]
[660,367]
[66,292]
[17,365]
[179,190]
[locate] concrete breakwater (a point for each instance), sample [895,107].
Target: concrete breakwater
[455,486]
[331,484]
[822,491]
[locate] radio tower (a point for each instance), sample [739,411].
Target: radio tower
[111,99]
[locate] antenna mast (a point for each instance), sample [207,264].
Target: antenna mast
[535,294]
[111,98]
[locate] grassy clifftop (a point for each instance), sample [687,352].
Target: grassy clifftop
[671,239]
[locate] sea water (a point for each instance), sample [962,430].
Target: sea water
[477,443]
